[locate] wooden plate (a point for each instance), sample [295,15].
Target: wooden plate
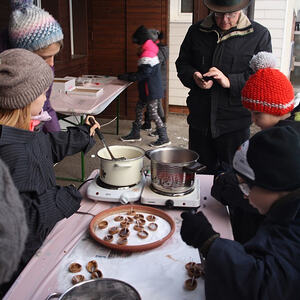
[142,245]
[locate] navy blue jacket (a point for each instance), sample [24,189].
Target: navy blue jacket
[30,157]
[148,74]
[265,268]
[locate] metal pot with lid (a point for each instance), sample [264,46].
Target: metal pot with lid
[173,170]
[99,289]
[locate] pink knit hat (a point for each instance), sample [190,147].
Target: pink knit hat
[268,90]
[31,27]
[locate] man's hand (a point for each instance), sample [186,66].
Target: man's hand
[205,85]
[219,77]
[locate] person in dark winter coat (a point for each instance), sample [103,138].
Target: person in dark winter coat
[269,96]
[163,54]
[150,88]
[267,267]
[29,154]
[214,64]
[34,29]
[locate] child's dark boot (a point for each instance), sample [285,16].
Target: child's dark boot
[134,135]
[163,139]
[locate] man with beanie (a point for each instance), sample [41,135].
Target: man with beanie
[34,29]
[267,266]
[150,88]
[214,64]
[269,96]
[13,226]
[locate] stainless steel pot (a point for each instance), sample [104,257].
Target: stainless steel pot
[173,169]
[99,289]
[121,172]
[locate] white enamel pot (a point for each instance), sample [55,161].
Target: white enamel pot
[124,172]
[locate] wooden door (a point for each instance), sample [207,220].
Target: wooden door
[111,51]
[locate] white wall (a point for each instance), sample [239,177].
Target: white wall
[177,92]
[277,16]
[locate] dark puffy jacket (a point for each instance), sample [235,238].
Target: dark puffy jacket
[30,157]
[245,219]
[148,74]
[163,55]
[204,47]
[265,268]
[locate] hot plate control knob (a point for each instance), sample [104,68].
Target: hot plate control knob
[169,203]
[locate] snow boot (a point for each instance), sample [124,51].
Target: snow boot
[155,133]
[133,136]
[163,139]
[147,124]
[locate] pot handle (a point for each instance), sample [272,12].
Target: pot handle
[122,165]
[195,167]
[53,295]
[148,153]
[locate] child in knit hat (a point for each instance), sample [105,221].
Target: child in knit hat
[150,88]
[30,155]
[268,93]
[34,29]
[269,96]
[163,52]
[267,266]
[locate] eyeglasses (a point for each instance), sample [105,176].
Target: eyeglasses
[245,188]
[226,15]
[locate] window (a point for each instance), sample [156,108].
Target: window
[187,6]
[181,11]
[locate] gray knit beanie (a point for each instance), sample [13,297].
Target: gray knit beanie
[24,76]
[13,226]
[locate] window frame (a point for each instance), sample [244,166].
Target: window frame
[176,15]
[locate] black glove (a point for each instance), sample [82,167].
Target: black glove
[123,77]
[195,229]
[131,76]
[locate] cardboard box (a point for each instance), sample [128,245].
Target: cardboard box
[85,91]
[63,85]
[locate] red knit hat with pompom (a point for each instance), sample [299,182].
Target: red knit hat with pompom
[268,90]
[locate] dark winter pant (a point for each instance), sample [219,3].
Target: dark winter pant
[214,152]
[160,111]
[152,107]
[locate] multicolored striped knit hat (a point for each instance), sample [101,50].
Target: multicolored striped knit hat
[31,27]
[268,90]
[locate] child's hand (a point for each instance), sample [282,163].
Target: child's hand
[93,128]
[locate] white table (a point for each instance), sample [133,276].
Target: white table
[156,274]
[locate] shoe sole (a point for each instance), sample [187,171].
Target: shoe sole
[132,140]
[159,146]
[149,130]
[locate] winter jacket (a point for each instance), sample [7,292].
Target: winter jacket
[30,157]
[265,268]
[148,74]
[53,124]
[204,47]
[163,54]
[245,219]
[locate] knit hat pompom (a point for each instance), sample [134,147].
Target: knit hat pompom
[24,76]
[31,27]
[268,90]
[17,4]
[262,60]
